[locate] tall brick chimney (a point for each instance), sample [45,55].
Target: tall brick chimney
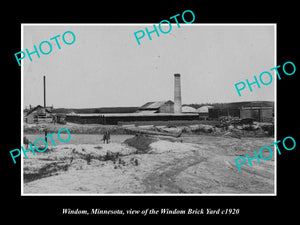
[177,94]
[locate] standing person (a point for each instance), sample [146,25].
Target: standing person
[104,137]
[108,136]
[26,141]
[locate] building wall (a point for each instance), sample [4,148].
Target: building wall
[246,113]
[203,115]
[86,119]
[267,115]
[115,119]
[217,112]
[258,114]
[29,119]
[168,107]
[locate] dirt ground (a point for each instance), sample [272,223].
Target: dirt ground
[191,164]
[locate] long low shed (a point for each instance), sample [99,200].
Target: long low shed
[113,119]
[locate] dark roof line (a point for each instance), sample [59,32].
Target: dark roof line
[35,108]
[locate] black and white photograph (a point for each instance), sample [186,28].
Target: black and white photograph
[118,109]
[149,111]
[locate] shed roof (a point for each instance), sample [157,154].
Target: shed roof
[188,109]
[154,105]
[204,109]
[37,107]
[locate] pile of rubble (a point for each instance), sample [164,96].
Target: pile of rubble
[228,126]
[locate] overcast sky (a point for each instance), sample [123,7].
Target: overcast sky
[105,67]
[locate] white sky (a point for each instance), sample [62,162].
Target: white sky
[105,67]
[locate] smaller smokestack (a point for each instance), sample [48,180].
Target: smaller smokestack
[177,93]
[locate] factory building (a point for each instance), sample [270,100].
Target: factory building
[260,114]
[150,111]
[157,107]
[117,118]
[215,113]
[173,111]
[261,111]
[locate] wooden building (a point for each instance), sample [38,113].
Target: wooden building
[260,114]
[260,111]
[116,118]
[39,114]
[157,107]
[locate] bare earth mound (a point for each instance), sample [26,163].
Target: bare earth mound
[141,143]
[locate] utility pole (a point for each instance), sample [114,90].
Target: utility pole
[44,91]
[45,104]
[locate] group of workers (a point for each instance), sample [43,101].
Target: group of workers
[106,137]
